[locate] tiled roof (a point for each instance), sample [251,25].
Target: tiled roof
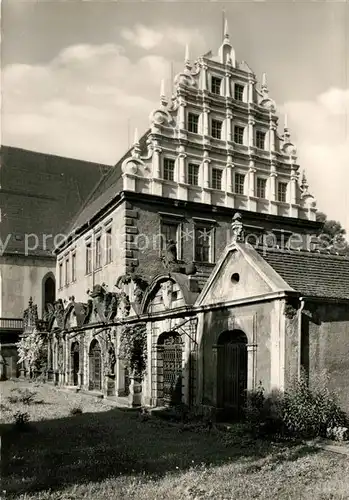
[311,273]
[40,193]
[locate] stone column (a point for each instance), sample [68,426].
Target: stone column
[181,166]
[203,80]
[251,366]
[251,123]
[272,129]
[229,116]
[181,114]
[156,178]
[250,90]
[252,175]
[205,117]
[227,84]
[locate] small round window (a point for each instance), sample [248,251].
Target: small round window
[235,278]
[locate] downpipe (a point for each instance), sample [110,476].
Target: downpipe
[302,304]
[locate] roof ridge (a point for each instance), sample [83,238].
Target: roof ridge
[308,251]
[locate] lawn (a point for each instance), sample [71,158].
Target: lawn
[109,453]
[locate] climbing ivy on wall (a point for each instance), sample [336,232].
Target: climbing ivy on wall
[133,348]
[32,350]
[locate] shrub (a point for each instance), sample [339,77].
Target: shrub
[21,420]
[25,396]
[309,412]
[76,411]
[264,414]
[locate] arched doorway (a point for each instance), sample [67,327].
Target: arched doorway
[95,366]
[75,362]
[170,351]
[232,371]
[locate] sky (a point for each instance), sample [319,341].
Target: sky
[79,76]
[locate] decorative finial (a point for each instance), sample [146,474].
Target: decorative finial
[163,99]
[186,57]
[264,84]
[304,182]
[136,138]
[237,228]
[286,122]
[226,29]
[136,150]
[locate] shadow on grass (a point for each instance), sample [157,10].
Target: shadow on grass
[95,446]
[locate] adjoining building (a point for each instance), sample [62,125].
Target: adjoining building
[39,193]
[203,234]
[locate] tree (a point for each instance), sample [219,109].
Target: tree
[333,234]
[31,351]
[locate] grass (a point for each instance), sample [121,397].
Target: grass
[109,453]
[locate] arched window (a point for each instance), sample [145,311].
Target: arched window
[49,291]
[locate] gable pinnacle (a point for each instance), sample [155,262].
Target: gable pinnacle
[285,122]
[163,99]
[264,85]
[226,30]
[186,57]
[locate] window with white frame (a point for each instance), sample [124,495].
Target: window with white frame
[239,134]
[239,183]
[73,267]
[238,92]
[60,275]
[282,192]
[260,139]
[261,187]
[216,85]
[67,273]
[193,174]
[88,256]
[169,166]
[193,123]
[216,180]
[171,230]
[108,246]
[216,129]
[98,251]
[203,243]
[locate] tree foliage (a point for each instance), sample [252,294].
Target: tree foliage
[133,348]
[31,351]
[334,233]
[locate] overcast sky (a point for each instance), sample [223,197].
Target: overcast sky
[78,76]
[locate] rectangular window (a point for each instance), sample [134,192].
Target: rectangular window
[282,190]
[216,129]
[239,183]
[88,258]
[60,275]
[239,135]
[73,267]
[108,246]
[261,187]
[169,166]
[169,231]
[98,250]
[216,178]
[193,174]
[193,123]
[216,85]
[203,244]
[67,276]
[260,139]
[238,92]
